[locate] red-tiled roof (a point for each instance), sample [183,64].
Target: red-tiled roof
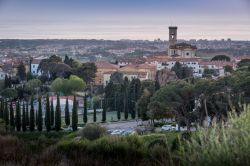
[105,65]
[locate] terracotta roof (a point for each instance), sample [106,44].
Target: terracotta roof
[36,61]
[105,65]
[139,66]
[217,63]
[169,58]
[139,73]
[241,57]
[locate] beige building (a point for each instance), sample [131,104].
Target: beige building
[103,67]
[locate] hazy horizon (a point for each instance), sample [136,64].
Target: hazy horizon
[130,19]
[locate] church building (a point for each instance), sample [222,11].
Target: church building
[182,50]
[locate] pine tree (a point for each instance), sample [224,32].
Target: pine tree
[85,112]
[18,116]
[27,114]
[47,114]
[24,123]
[12,118]
[52,114]
[40,115]
[94,114]
[32,115]
[74,115]
[104,112]
[58,115]
[67,116]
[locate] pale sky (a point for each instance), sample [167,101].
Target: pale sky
[124,19]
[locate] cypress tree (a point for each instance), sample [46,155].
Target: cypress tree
[12,118]
[40,115]
[118,114]
[47,114]
[74,115]
[125,97]
[18,116]
[52,114]
[6,114]
[58,115]
[24,123]
[36,118]
[85,112]
[104,112]
[94,114]
[67,116]
[1,110]
[32,115]
[27,114]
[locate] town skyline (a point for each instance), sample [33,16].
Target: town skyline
[115,20]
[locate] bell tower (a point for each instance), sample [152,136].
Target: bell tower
[172,35]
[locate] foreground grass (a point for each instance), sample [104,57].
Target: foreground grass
[221,145]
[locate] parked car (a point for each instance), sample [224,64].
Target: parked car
[167,128]
[117,132]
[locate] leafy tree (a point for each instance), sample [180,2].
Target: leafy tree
[68,86]
[61,70]
[24,123]
[221,58]
[178,97]
[27,114]
[87,71]
[32,115]
[157,110]
[57,85]
[244,63]
[74,115]
[85,112]
[18,117]
[12,117]
[67,116]
[52,113]
[182,72]
[47,66]
[47,114]
[228,69]
[34,85]
[58,115]
[9,93]
[7,81]
[21,71]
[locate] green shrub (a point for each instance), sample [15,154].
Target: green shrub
[92,131]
